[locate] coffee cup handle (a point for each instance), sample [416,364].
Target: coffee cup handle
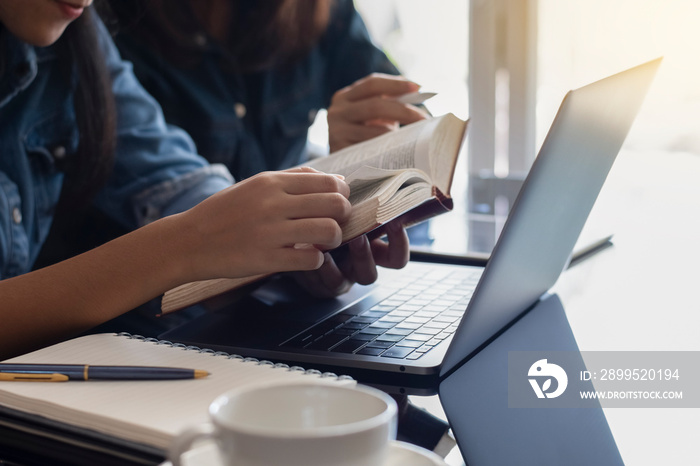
[186,439]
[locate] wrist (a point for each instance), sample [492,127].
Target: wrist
[172,243]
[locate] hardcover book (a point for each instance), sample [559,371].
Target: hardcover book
[405,175]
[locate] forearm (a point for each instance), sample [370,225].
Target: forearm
[248,229]
[72,296]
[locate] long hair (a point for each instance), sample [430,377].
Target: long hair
[262,34]
[88,169]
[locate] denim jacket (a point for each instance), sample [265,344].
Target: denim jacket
[257,121]
[156,173]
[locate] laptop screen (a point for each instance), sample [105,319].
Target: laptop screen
[553,205]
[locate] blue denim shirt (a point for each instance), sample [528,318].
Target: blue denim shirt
[156,173]
[257,121]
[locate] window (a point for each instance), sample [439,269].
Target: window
[576,43]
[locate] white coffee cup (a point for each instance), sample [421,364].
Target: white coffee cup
[307,424]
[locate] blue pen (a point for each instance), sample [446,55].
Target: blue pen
[89,372]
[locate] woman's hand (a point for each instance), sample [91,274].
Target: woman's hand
[357,264]
[271,222]
[367,108]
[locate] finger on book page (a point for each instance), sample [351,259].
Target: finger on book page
[307,183]
[318,205]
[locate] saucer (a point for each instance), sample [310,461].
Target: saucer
[400,454]
[407,454]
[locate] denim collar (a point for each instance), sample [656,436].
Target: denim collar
[20,63]
[19,67]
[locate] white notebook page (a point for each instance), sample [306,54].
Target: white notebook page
[150,412]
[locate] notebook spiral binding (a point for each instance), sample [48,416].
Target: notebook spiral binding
[235,356]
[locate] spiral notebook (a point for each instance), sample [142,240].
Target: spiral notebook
[146,413]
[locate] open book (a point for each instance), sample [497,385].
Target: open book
[405,175]
[140,416]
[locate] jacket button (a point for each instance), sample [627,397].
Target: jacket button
[17,215]
[200,40]
[59,152]
[240,110]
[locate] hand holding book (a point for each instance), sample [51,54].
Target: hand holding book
[410,171]
[281,211]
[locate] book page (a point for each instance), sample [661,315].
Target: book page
[150,412]
[405,148]
[194,292]
[448,140]
[368,182]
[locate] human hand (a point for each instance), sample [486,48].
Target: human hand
[366,109]
[271,222]
[357,263]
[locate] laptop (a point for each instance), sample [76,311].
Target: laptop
[415,326]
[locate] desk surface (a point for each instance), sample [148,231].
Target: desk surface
[640,295]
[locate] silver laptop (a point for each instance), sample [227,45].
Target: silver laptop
[414,326]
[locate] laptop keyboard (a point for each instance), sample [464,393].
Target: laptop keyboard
[424,309]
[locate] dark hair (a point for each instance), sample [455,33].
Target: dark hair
[87,170]
[262,34]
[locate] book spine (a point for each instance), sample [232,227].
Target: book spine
[260,362]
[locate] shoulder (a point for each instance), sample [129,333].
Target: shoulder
[343,18]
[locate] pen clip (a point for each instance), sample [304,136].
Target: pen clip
[21,377]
